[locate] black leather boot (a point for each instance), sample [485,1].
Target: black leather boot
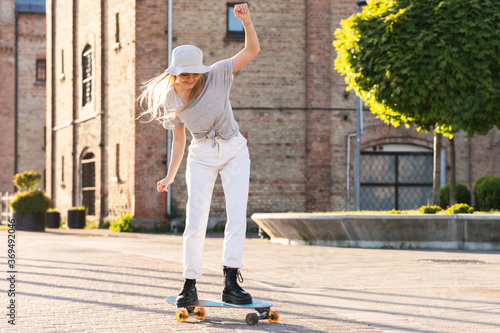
[232,292]
[188,294]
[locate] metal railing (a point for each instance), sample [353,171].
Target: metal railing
[6,212]
[395,180]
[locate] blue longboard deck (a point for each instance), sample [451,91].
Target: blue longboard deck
[197,310]
[219,304]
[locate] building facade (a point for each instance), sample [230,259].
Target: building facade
[22,89]
[290,103]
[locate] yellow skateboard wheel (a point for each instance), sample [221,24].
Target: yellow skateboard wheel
[181,315]
[200,313]
[274,316]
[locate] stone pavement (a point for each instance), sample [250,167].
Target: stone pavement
[97,280]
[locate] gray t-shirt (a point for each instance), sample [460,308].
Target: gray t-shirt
[211,113]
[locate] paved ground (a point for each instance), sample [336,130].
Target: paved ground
[96,280]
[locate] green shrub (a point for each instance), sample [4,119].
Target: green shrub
[219,227]
[157,228]
[396,212]
[460,209]
[78,208]
[462,195]
[30,202]
[122,224]
[104,224]
[52,210]
[487,193]
[27,180]
[429,209]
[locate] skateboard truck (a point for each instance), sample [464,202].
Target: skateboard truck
[264,313]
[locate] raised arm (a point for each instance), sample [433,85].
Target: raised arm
[252,46]
[178,145]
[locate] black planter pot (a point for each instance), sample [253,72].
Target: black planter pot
[76,219]
[53,220]
[32,222]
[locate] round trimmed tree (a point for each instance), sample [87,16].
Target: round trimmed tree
[431,63]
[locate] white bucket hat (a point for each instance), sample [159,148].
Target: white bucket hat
[187,59]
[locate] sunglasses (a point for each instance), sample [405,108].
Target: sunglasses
[187,75]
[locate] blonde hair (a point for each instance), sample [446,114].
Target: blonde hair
[154,95]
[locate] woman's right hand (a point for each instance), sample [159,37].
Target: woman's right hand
[162,185]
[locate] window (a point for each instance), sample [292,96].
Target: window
[61,75]
[395,180]
[117,27]
[86,75]
[116,45]
[117,162]
[234,24]
[40,70]
[88,183]
[62,169]
[360,5]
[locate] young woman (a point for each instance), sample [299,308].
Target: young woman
[195,96]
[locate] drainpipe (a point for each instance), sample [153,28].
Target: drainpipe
[52,100]
[16,92]
[103,145]
[76,173]
[357,152]
[349,136]
[169,132]
[359,132]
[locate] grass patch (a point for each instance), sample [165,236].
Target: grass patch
[384,212]
[490,212]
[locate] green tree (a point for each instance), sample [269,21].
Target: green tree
[431,63]
[30,201]
[27,180]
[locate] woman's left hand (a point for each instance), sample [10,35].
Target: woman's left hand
[252,47]
[242,12]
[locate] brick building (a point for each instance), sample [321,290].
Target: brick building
[22,88]
[290,103]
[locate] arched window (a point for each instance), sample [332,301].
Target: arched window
[88,183]
[86,75]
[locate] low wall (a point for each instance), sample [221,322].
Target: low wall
[460,232]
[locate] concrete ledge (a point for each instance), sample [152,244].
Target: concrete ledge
[451,232]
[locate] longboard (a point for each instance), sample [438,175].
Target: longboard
[262,307]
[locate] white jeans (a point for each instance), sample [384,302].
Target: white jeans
[204,162]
